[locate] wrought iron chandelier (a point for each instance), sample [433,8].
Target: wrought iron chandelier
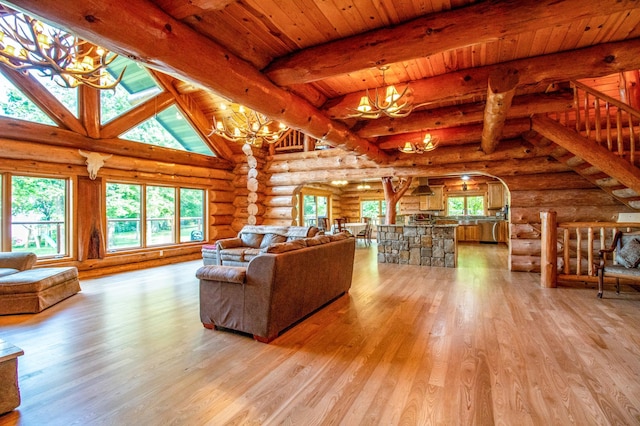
[247,126]
[28,44]
[386,100]
[427,144]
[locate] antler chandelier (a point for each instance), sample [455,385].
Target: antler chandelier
[247,126]
[427,144]
[386,100]
[28,44]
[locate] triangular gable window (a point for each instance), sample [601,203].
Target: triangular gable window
[136,86]
[14,104]
[169,129]
[67,97]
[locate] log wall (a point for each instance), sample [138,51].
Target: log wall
[536,183]
[30,158]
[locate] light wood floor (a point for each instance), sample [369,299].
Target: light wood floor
[409,345]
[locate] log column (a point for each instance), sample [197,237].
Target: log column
[549,255]
[91,240]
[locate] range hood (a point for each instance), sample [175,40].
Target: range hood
[422,188]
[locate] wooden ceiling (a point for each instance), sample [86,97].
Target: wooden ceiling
[306,63]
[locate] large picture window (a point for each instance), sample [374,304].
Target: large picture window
[39,218]
[163,214]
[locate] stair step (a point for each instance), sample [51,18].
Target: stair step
[625,193]
[607,182]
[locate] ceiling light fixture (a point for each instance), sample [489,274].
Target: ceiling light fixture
[247,126]
[427,144]
[385,101]
[28,44]
[339,182]
[364,186]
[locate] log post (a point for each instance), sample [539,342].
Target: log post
[549,252]
[502,87]
[91,236]
[392,195]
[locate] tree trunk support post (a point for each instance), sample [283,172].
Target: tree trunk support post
[549,255]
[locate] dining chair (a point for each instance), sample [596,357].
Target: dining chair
[365,234]
[339,224]
[323,224]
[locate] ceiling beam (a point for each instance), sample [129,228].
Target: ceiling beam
[459,135]
[160,42]
[500,91]
[438,32]
[596,61]
[522,106]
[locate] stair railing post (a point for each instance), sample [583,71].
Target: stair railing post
[549,246]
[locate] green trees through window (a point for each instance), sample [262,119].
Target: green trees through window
[162,223]
[39,215]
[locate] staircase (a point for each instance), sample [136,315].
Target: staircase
[598,140]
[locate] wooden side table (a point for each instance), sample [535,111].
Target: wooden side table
[9,390]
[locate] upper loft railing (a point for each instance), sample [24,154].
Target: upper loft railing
[295,141]
[605,120]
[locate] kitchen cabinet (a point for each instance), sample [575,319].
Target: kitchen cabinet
[503,232]
[495,195]
[435,201]
[469,233]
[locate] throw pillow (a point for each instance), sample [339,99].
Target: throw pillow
[629,255]
[272,239]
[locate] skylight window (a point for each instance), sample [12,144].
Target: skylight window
[169,129]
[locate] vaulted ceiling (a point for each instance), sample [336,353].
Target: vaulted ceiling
[308,63]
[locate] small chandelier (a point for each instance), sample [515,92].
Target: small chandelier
[391,103]
[248,127]
[28,44]
[363,186]
[426,145]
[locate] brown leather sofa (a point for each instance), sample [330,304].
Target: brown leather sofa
[252,239]
[278,287]
[24,289]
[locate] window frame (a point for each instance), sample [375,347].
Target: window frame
[465,195]
[143,216]
[314,193]
[6,219]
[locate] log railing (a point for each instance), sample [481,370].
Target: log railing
[605,120]
[293,140]
[570,249]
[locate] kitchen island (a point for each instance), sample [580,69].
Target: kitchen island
[418,244]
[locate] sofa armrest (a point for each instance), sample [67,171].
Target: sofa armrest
[229,243]
[18,260]
[229,274]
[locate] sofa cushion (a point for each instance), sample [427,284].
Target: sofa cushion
[341,236]
[272,239]
[318,239]
[629,255]
[234,254]
[230,274]
[250,253]
[35,280]
[229,243]
[286,246]
[7,271]
[251,239]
